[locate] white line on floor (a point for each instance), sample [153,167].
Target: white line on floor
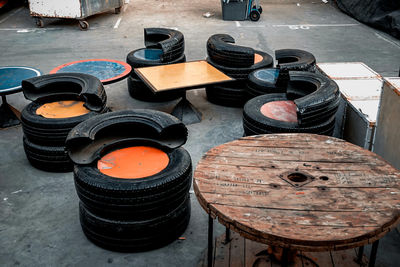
[252,26]
[19,30]
[238,24]
[387,40]
[28,29]
[11,14]
[117,23]
[316,25]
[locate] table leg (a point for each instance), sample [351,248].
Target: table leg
[285,255]
[7,116]
[360,254]
[210,241]
[227,235]
[372,257]
[186,112]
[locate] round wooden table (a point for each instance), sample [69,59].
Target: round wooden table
[299,191]
[106,70]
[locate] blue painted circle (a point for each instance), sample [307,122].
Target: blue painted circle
[267,75]
[148,54]
[11,78]
[103,70]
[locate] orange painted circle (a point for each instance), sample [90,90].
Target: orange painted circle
[280,110]
[62,109]
[133,162]
[257,58]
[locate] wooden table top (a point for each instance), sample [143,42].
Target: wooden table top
[192,74]
[302,191]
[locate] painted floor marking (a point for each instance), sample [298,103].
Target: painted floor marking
[117,23]
[11,14]
[308,26]
[387,40]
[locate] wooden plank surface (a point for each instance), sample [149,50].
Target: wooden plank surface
[181,75]
[256,254]
[340,196]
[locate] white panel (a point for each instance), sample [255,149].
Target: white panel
[369,108]
[56,8]
[387,137]
[395,83]
[361,89]
[347,70]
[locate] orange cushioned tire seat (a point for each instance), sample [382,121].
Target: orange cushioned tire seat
[132,177]
[59,103]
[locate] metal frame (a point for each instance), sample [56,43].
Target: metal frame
[284,263]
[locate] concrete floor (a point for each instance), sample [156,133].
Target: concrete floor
[39,223]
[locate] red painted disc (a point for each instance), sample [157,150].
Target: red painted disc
[133,162]
[280,110]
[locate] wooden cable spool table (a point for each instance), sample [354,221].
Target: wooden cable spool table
[299,192]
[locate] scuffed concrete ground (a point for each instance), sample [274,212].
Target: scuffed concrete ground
[39,223]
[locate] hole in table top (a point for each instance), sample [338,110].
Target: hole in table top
[275,186]
[324,178]
[297,177]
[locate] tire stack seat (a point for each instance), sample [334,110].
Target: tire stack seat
[308,106]
[44,121]
[235,61]
[275,80]
[143,204]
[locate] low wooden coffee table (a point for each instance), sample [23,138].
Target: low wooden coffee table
[300,192]
[182,77]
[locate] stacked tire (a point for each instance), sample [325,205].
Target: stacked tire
[275,80]
[237,62]
[308,106]
[163,47]
[44,138]
[134,213]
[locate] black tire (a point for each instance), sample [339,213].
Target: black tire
[47,158]
[171,42]
[260,9]
[220,49]
[250,129]
[67,86]
[242,73]
[140,91]
[255,15]
[254,119]
[146,197]
[47,131]
[264,81]
[136,61]
[295,59]
[229,95]
[135,235]
[144,57]
[320,93]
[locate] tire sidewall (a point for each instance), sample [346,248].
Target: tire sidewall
[91,177]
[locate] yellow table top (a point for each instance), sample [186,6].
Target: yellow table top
[181,75]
